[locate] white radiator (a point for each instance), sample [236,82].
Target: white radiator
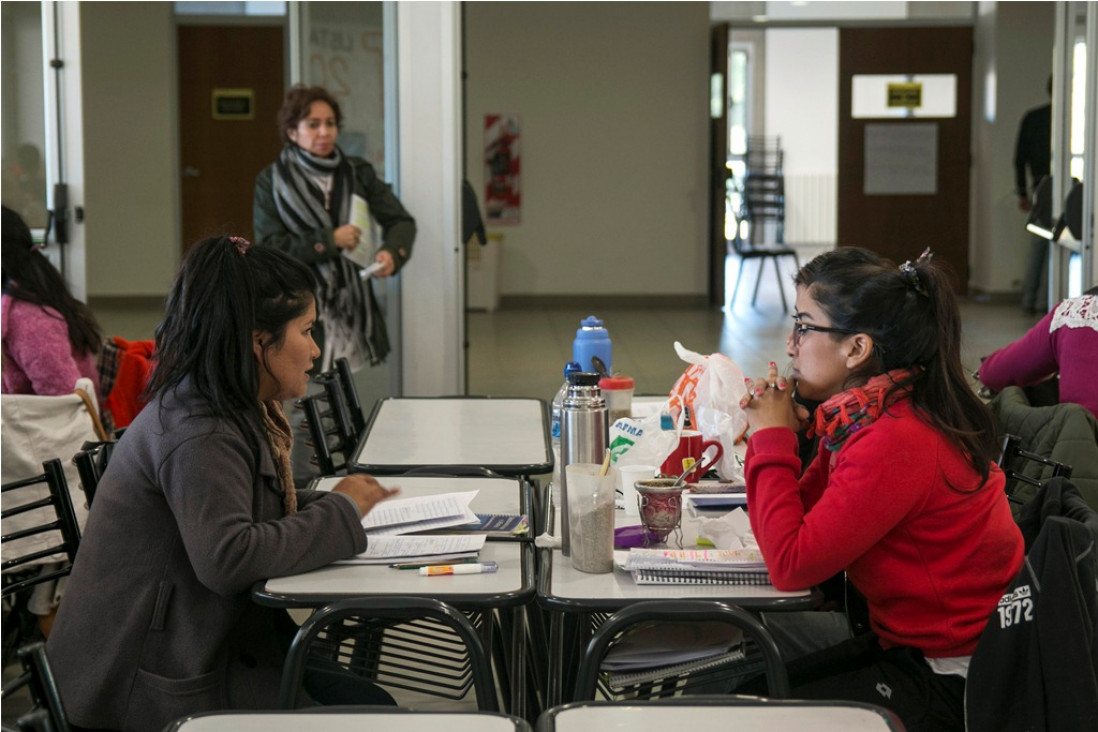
[810,206]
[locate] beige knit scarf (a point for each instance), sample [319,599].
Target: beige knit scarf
[280,437]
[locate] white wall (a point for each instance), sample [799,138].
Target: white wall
[1010,76]
[131,177]
[613,102]
[839,10]
[429,113]
[802,107]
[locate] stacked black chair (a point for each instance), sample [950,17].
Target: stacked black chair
[334,418]
[762,206]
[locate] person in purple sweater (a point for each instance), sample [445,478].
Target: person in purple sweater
[1065,342]
[50,339]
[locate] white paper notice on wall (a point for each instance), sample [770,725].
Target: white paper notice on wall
[901,158]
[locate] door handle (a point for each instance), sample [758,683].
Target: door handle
[189,171]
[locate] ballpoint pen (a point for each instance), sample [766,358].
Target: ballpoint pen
[418,565]
[445,569]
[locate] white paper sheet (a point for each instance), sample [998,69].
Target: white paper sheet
[392,549]
[363,254]
[405,515]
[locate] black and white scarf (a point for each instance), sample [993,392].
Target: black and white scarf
[346,308]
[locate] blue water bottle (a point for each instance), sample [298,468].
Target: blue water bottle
[591,340]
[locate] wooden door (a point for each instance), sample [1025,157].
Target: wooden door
[222,149]
[899,226]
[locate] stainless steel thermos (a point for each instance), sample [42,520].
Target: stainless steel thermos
[583,435]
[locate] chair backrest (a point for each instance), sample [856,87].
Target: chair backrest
[42,508]
[91,462]
[350,393]
[331,425]
[690,611]
[333,632]
[1013,461]
[48,713]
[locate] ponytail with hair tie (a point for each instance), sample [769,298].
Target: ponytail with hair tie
[909,271]
[242,245]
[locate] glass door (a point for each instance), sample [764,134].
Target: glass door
[1072,266]
[348,48]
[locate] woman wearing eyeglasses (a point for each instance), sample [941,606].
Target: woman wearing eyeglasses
[903,495]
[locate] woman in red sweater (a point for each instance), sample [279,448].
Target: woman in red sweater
[903,495]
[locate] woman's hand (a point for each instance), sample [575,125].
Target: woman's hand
[388,266]
[346,236]
[365,491]
[769,403]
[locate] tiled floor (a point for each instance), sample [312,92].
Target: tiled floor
[523,352]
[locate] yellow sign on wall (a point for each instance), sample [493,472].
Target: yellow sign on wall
[233,104]
[908,95]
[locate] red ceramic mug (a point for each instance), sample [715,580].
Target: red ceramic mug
[689,452]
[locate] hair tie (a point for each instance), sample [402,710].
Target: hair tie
[242,245]
[909,271]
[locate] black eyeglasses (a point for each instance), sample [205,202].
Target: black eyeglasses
[799,329]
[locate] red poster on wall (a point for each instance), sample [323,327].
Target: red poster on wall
[502,157]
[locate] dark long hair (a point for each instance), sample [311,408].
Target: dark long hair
[225,291]
[912,315]
[30,277]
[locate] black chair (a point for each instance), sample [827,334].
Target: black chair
[348,632]
[47,713]
[762,206]
[1015,463]
[350,394]
[91,462]
[680,611]
[332,432]
[58,524]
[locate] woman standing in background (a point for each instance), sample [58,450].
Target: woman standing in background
[303,206]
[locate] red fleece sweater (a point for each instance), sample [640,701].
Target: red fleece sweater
[931,561]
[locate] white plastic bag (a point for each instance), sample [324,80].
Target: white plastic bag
[710,390]
[642,441]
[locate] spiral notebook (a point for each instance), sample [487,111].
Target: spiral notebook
[697,567]
[700,577]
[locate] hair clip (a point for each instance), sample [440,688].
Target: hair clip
[242,245]
[907,269]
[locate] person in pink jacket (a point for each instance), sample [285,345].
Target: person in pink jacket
[902,496]
[50,339]
[1064,343]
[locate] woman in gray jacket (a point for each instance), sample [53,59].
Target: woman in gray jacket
[198,504]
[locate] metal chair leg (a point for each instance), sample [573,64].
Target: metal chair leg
[781,290]
[755,295]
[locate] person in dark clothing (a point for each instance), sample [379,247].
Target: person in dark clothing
[1033,151]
